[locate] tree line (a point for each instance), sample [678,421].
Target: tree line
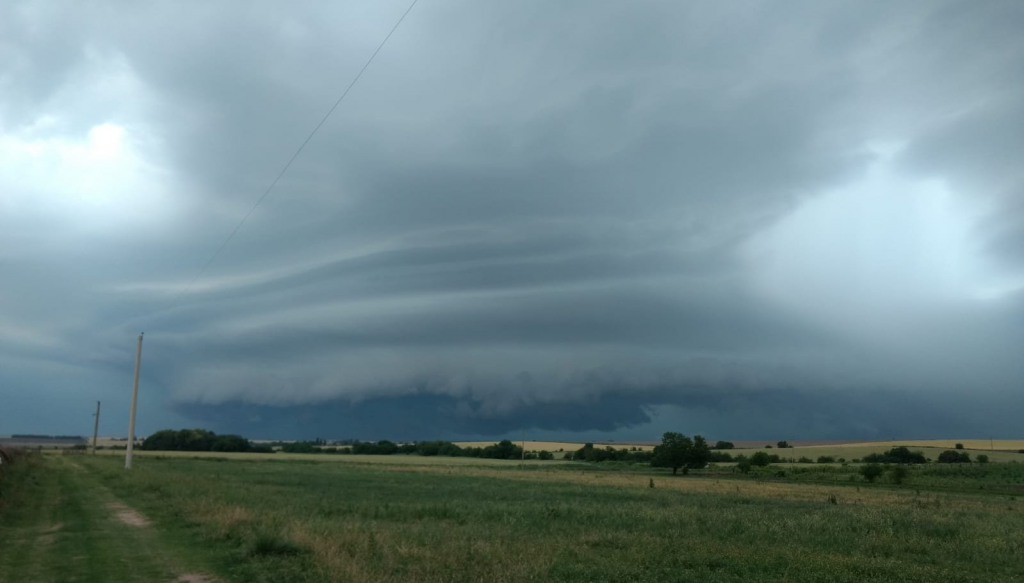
[200,440]
[503,450]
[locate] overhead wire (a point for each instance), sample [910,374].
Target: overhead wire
[291,160]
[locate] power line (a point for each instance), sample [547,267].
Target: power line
[277,179]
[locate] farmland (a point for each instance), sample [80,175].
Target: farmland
[272,517]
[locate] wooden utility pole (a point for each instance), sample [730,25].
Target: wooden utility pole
[96,427]
[135,399]
[522,462]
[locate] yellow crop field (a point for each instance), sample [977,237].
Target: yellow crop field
[986,444]
[930,448]
[554,446]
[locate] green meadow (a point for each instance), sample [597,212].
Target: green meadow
[79,518]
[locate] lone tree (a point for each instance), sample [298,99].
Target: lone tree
[679,451]
[761,459]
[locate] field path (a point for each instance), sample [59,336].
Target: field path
[71,529]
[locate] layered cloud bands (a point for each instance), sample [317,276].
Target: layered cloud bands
[599,218]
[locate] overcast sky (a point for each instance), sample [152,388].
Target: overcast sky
[583,219]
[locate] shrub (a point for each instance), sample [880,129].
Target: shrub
[783,444]
[856,461]
[723,445]
[842,460]
[768,446]
[804,460]
[761,459]
[720,457]
[982,458]
[954,457]
[743,464]
[826,459]
[299,447]
[898,474]
[545,455]
[871,472]
[590,453]
[959,446]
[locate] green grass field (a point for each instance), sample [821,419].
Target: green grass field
[294,520]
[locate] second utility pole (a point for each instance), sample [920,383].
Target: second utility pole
[96,428]
[135,398]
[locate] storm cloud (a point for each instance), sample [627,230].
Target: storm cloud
[586,219]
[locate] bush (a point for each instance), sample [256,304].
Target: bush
[898,474]
[804,460]
[871,472]
[720,457]
[545,455]
[826,459]
[761,459]
[590,453]
[743,464]
[959,446]
[783,444]
[982,458]
[723,445]
[954,457]
[299,447]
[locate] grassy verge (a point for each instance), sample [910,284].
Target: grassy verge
[56,527]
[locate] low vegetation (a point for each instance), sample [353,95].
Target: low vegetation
[271,521]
